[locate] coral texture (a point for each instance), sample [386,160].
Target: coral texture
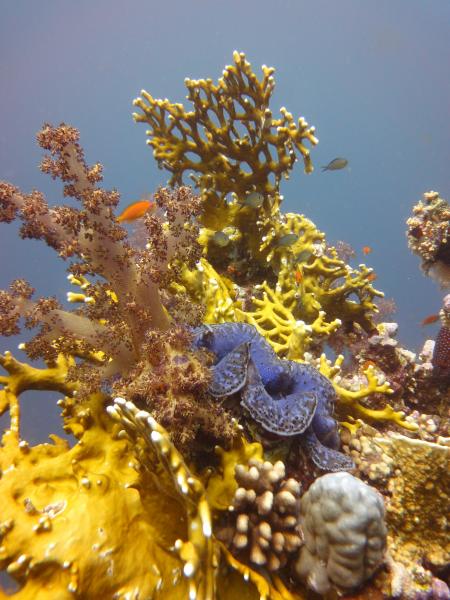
[265,511]
[235,116]
[429,236]
[285,397]
[210,328]
[342,520]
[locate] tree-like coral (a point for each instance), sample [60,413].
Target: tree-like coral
[126,302]
[230,124]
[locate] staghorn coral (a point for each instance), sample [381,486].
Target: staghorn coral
[342,520]
[264,514]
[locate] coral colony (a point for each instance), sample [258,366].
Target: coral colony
[218,452]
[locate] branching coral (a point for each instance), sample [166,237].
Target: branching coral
[92,235]
[231,124]
[363,388]
[120,333]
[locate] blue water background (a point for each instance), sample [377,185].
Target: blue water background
[371,76]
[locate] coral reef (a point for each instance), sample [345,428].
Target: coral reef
[414,477]
[196,386]
[243,152]
[233,115]
[345,536]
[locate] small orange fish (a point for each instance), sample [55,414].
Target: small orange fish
[366,250]
[430,319]
[134,211]
[368,363]
[298,277]
[371,276]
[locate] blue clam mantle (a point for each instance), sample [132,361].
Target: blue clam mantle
[285,397]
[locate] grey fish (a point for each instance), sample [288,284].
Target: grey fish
[336,164]
[253,200]
[303,256]
[220,239]
[287,240]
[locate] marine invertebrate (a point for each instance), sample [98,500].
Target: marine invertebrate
[264,514]
[81,520]
[414,476]
[284,397]
[429,236]
[197,552]
[243,152]
[96,243]
[231,123]
[342,520]
[441,353]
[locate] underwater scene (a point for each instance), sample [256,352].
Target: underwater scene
[224,300]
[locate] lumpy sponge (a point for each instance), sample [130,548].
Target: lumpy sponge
[344,533]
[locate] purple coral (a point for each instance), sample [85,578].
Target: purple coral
[285,397]
[441,353]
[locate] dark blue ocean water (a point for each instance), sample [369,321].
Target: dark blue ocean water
[371,76]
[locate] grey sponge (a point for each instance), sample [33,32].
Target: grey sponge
[344,533]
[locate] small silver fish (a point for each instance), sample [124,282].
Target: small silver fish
[303,256]
[220,239]
[336,164]
[253,200]
[287,240]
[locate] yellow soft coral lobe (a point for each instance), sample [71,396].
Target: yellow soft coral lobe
[84,520]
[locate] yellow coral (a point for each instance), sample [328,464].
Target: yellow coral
[57,498]
[352,398]
[231,124]
[197,552]
[222,484]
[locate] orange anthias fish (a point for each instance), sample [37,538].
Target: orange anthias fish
[366,250]
[134,211]
[430,319]
[371,276]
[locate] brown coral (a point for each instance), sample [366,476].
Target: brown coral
[126,302]
[429,236]
[265,511]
